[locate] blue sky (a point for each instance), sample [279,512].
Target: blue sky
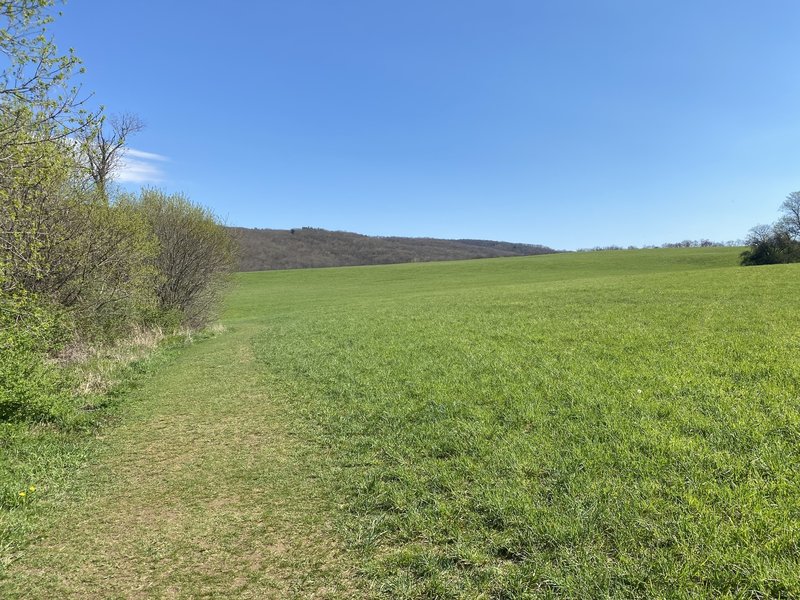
[566,123]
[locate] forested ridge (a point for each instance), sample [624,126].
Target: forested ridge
[267,249]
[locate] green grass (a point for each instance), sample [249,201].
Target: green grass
[48,456]
[590,425]
[196,487]
[619,424]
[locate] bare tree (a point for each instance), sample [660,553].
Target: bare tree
[790,221]
[103,147]
[778,243]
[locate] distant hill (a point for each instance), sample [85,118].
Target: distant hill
[267,249]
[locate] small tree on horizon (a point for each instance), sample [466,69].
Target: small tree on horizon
[778,243]
[790,221]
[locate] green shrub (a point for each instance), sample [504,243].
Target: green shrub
[778,243]
[30,387]
[195,257]
[71,247]
[770,246]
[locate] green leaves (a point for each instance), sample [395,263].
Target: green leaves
[37,92]
[30,388]
[195,253]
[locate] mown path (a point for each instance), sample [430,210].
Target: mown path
[202,491]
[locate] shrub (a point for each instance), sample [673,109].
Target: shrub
[72,248]
[769,246]
[196,254]
[75,263]
[778,243]
[30,387]
[70,263]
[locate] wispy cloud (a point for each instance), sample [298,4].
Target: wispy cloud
[145,155]
[138,166]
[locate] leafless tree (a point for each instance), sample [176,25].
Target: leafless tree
[790,221]
[102,149]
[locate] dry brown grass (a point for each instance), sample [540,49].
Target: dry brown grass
[97,367]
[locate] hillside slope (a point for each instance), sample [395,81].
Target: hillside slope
[268,249]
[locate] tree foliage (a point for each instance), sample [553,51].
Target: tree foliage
[39,98]
[70,246]
[778,243]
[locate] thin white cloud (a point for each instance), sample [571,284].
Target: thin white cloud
[145,155]
[137,166]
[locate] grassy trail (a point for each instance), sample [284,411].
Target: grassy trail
[202,491]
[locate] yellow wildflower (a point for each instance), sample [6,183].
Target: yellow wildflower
[22,494]
[32,488]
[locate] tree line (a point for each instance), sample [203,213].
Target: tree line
[81,261]
[703,243]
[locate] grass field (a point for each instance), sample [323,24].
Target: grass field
[590,425]
[623,424]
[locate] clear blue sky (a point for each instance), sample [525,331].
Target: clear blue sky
[566,123]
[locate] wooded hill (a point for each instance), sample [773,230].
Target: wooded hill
[267,249]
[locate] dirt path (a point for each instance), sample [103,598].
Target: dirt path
[201,492]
